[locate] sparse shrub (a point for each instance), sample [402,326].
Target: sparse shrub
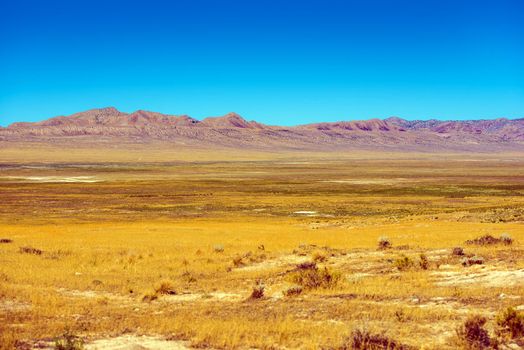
[165,287]
[510,323]
[403,263]
[261,247]
[218,248]
[473,335]
[318,256]
[506,239]
[423,262]
[365,340]
[238,261]
[384,243]
[484,240]
[69,341]
[312,278]
[308,265]
[473,260]
[457,251]
[293,291]
[31,250]
[258,291]
[6,240]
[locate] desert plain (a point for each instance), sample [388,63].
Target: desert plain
[128,248]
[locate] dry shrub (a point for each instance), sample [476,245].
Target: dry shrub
[69,341]
[490,240]
[165,287]
[258,291]
[472,334]
[365,340]
[312,277]
[384,243]
[238,261]
[319,256]
[6,240]
[308,265]
[403,263]
[293,291]
[506,239]
[423,262]
[510,323]
[31,250]
[457,251]
[473,260]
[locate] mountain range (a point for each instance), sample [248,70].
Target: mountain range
[231,130]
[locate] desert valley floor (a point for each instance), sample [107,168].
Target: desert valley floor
[256,251]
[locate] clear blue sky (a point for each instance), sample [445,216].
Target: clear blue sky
[278,61]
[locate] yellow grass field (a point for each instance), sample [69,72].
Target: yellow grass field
[165,247]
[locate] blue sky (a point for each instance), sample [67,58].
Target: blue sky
[279,62]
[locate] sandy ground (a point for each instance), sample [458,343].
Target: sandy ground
[133,342]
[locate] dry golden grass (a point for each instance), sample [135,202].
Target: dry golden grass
[158,229]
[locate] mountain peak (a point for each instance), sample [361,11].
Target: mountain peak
[229,120]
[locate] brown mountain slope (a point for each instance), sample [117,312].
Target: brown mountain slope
[231,130]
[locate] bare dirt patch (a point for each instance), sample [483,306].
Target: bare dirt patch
[134,342]
[13,306]
[488,278]
[202,297]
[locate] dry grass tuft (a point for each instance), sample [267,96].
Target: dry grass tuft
[472,260]
[457,251]
[258,291]
[69,341]
[293,291]
[165,287]
[313,277]
[30,250]
[384,243]
[319,256]
[365,340]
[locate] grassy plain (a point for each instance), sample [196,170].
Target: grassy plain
[112,227]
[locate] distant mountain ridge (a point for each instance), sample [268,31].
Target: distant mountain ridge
[231,130]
